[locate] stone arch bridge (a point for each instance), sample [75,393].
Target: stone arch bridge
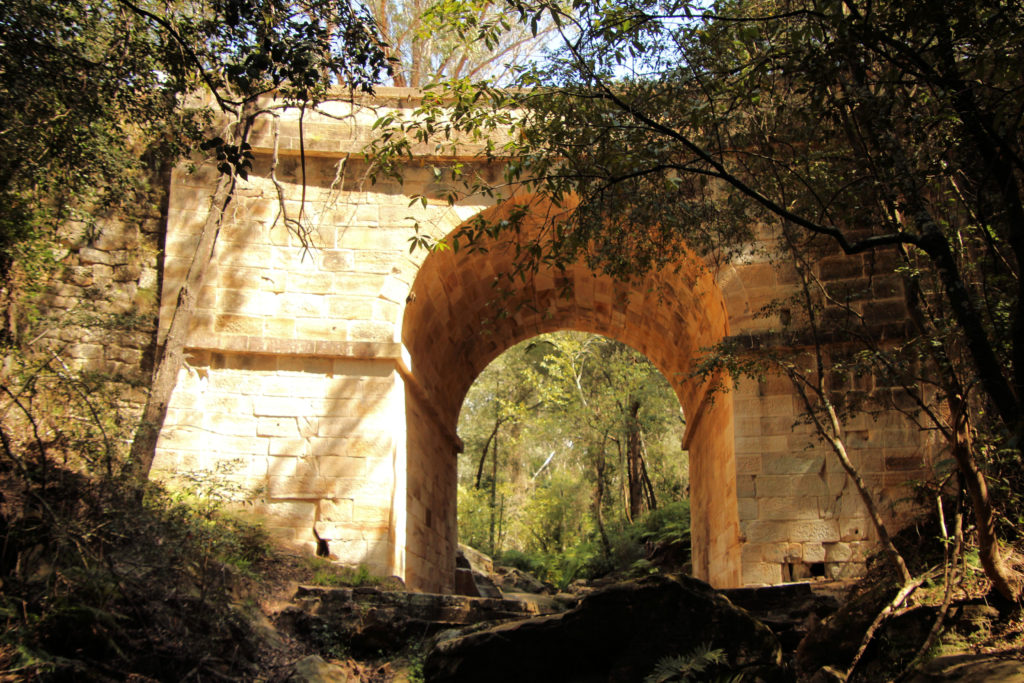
[329,381]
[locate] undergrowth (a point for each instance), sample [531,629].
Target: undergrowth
[661,538]
[97,583]
[328,573]
[100,579]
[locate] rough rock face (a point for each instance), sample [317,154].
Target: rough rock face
[512,580]
[473,572]
[790,611]
[615,634]
[314,669]
[367,620]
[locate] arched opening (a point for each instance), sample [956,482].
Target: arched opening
[573,454]
[456,322]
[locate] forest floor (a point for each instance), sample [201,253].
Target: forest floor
[96,588]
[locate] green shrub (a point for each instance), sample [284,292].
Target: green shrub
[531,563]
[328,573]
[669,524]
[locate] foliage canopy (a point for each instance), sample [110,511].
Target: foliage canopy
[820,128]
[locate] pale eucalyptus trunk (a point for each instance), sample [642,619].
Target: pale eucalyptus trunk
[170,355]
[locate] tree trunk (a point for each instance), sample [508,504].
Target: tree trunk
[652,501]
[171,355]
[984,517]
[634,460]
[599,463]
[494,492]
[958,435]
[483,453]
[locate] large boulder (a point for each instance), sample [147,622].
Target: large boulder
[366,621]
[615,634]
[473,572]
[314,669]
[512,580]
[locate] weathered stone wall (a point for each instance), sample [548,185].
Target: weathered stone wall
[325,383]
[800,514]
[431,477]
[98,312]
[310,439]
[296,375]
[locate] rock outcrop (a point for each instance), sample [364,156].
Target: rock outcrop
[473,572]
[370,621]
[615,634]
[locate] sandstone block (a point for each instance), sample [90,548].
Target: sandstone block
[745,487]
[179,438]
[802,485]
[366,446]
[300,305]
[127,272]
[306,489]
[299,386]
[778,426]
[753,553]
[291,513]
[840,267]
[304,282]
[251,256]
[800,531]
[375,512]
[327,329]
[745,427]
[351,307]
[375,261]
[338,260]
[303,468]
[856,529]
[748,509]
[229,424]
[821,531]
[304,365]
[238,445]
[761,574]
[340,467]
[85,351]
[293,447]
[838,552]
[813,552]
[226,323]
[88,256]
[775,553]
[277,426]
[345,550]
[358,284]
[789,465]
[336,510]
[749,446]
[787,508]
[279,327]
[250,301]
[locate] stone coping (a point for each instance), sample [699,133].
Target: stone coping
[317,348]
[393,352]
